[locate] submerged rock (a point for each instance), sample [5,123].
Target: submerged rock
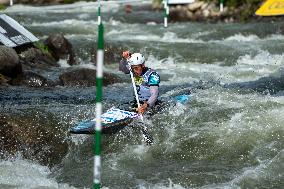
[32,79]
[112,54]
[33,137]
[86,77]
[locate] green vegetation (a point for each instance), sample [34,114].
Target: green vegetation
[237,3]
[69,1]
[2,7]
[42,47]
[248,7]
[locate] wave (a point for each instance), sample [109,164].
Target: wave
[168,37]
[248,38]
[23,174]
[66,23]
[242,38]
[247,68]
[87,7]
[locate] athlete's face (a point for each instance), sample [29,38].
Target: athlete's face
[137,69]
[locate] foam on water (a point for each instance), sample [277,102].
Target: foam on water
[80,7]
[168,185]
[63,63]
[203,33]
[247,68]
[66,23]
[23,174]
[249,116]
[268,174]
[242,38]
[133,33]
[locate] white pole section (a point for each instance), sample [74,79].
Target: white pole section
[99,94]
[221,5]
[166,13]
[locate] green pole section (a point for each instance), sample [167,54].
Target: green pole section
[99,94]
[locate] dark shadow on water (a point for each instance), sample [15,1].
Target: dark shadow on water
[272,84]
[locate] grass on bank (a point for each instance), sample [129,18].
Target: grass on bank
[2,7]
[41,46]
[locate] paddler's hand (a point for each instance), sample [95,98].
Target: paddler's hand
[126,54]
[142,108]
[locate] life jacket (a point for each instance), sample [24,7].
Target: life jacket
[143,83]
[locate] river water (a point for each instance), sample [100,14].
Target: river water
[229,135]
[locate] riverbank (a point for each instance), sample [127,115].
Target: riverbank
[199,11]
[209,11]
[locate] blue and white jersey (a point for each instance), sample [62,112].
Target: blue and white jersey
[143,83]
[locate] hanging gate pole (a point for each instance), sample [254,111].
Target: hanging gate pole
[99,91]
[166,13]
[221,5]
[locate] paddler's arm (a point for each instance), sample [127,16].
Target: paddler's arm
[154,90]
[123,64]
[154,82]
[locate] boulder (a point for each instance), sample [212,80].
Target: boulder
[32,79]
[189,15]
[34,137]
[112,54]
[33,58]
[9,62]
[206,13]
[204,6]
[60,48]
[177,15]
[214,14]
[86,77]
[195,6]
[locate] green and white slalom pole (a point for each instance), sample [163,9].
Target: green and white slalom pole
[166,13]
[99,93]
[99,13]
[221,5]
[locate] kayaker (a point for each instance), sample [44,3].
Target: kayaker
[146,79]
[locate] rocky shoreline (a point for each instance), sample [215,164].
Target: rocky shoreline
[204,11]
[199,11]
[27,64]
